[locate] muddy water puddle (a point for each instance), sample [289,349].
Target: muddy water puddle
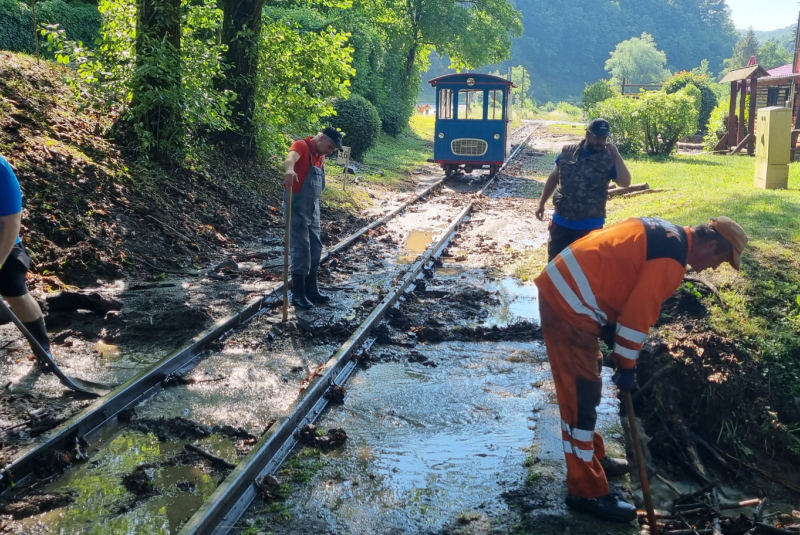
[102,503]
[518,301]
[416,243]
[426,444]
[254,376]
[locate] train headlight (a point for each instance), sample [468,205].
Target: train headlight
[497,136]
[441,135]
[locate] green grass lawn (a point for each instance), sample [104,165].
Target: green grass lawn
[560,128]
[764,297]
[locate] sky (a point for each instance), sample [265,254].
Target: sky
[764,15]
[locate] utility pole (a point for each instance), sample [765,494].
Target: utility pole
[522,91]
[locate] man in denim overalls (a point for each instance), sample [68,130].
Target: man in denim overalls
[304,172]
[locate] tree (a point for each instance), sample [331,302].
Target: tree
[566,43]
[703,70]
[521,78]
[708,99]
[770,55]
[393,39]
[744,48]
[241,33]
[596,93]
[301,72]
[156,106]
[638,61]
[471,34]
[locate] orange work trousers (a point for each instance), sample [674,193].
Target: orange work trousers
[575,361]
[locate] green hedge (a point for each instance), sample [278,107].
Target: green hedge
[80,21]
[708,99]
[360,123]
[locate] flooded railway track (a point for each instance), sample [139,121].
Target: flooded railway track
[160,411]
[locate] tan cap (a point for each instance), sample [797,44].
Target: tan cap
[732,232]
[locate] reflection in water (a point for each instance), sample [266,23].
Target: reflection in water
[100,495]
[422,452]
[107,351]
[518,302]
[416,244]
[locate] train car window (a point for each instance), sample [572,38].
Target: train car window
[445,103]
[495,108]
[470,104]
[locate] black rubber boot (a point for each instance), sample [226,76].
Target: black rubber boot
[312,290]
[606,507]
[39,331]
[299,292]
[614,467]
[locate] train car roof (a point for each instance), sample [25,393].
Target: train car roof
[479,78]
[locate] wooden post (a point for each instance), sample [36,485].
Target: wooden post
[287,233]
[751,122]
[795,107]
[623,86]
[733,131]
[742,98]
[638,454]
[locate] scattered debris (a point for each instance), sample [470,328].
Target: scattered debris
[210,456]
[310,436]
[140,481]
[36,502]
[336,394]
[68,301]
[268,487]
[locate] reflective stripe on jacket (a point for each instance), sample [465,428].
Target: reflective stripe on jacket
[618,275]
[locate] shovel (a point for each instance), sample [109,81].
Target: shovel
[286,253]
[78,385]
[639,455]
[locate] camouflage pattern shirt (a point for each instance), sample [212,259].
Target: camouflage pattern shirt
[583,179]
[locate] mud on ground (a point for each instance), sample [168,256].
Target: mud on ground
[713,414]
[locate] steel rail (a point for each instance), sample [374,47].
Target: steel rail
[149,381]
[519,147]
[233,496]
[230,500]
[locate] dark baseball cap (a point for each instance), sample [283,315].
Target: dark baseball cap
[599,127]
[334,135]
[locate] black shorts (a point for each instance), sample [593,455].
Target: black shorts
[12,274]
[561,238]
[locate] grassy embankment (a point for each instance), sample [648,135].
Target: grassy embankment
[763,317]
[90,201]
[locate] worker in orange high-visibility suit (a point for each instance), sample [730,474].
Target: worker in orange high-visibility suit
[618,275]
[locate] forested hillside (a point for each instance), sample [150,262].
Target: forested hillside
[782,36]
[566,44]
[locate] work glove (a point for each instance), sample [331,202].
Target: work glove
[625,379]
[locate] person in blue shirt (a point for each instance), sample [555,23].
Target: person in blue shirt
[14,261]
[580,181]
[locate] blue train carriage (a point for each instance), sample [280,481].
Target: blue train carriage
[472,118]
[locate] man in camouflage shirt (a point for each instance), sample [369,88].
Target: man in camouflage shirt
[580,180]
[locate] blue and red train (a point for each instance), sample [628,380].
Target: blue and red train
[472,120]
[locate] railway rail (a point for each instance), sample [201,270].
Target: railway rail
[232,497]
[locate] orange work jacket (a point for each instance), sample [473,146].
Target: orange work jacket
[618,275]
